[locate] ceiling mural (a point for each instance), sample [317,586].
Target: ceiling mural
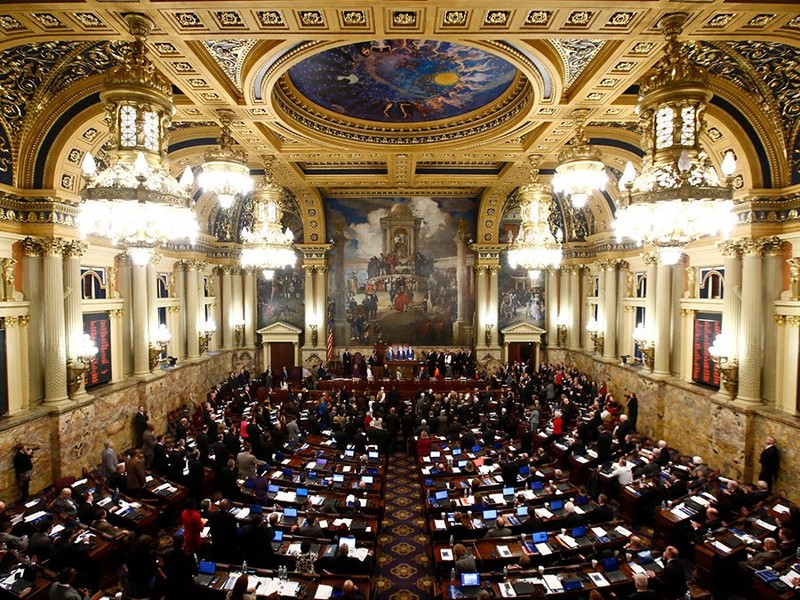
[403,80]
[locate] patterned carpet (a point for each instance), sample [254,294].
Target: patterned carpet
[404,562]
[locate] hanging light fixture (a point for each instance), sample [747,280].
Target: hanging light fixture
[266,246]
[534,248]
[678,196]
[225,171]
[580,170]
[135,202]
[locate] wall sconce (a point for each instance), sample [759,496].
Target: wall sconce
[238,332]
[596,333]
[561,331]
[76,368]
[314,336]
[720,353]
[488,333]
[159,346]
[646,346]
[206,333]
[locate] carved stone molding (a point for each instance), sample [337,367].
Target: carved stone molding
[31,247]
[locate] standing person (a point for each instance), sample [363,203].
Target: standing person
[633,410]
[23,467]
[769,460]
[137,477]
[192,527]
[149,442]
[180,568]
[347,363]
[109,459]
[140,424]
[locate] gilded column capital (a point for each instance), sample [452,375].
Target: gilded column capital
[123,260]
[155,259]
[115,313]
[10,321]
[779,320]
[688,312]
[567,270]
[322,269]
[730,248]
[221,270]
[24,320]
[651,259]
[74,249]
[602,265]
[793,320]
[179,266]
[494,269]
[752,246]
[53,247]
[773,245]
[309,269]
[195,265]
[622,264]
[628,308]
[31,247]
[173,309]
[691,282]
[481,268]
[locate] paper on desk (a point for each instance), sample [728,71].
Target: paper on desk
[284,496]
[503,551]
[678,512]
[781,509]
[294,549]
[636,568]
[579,510]
[343,521]
[311,465]
[507,590]
[439,524]
[34,516]
[598,579]
[539,473]
[323,524]
[359,553]
[568,540]
[581,459]
[446,554]
[323,592]
[622,531]
[286,461]
[765,525]
[553,583]
[497,498]
[720,546]
[543,513]
[599,531]
[205,532]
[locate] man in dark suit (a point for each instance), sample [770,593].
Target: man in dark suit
[344,564]
[671,582]
[604,442]
[347,363]
[140,424]
[769,459]
[224,535]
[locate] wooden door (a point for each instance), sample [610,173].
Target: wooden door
[282,355]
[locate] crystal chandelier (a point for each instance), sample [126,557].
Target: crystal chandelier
[135,202]
[678,196]
[534,248]
[225,171]
[580,170]
[266,246]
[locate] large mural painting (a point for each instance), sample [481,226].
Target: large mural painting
[403,80]
[521,298]
[396,264]
[282,298]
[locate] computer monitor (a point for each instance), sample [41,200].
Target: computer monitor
[349,453]
[301,493]
[540,537]
[442,495]
[435,454]
[273,489]
[470,579]
[476,449]
[556,505]
[256,509]
[524,471]
[508,491]
[278,536]
[456,451]
[536,485]
[367,479]
[287,473]
[522,511]
[290,512]
[206,567]
[579,532]
[610,564]
[372,455]
[489,515]
[462,464]
[338,477]
[322,462]
[349,540]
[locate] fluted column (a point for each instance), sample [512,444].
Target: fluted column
[773,286]
[310,305]
[321,294]
[460,325]
[565,306]
[227,323]
[152,298]
[610,304]
[249,308]
[73,313]
[651,260]
[732,285]
[750,325]
[661,334]
[124,282]
[589,310]
[55,344]
[32,288]
[678,289]
[179,336]
[481,287]
[192,309]
[141,322]
[553,306]
[575,309]
[238,308]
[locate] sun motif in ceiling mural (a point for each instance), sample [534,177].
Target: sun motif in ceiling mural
[402,81]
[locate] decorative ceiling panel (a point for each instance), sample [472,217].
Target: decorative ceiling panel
[230,55]
[576,55]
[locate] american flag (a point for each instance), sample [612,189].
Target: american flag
[330,345]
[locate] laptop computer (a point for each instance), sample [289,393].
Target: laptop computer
[540,543]
[272,490]
[349,453]
[289,516]
[508,492]
[338,480]
[523,588]
[611,570]
[277,540]
[205,572]
[462,464]
[435,454]
[456,451]
[556,506]
[441,496]
[368,479]
[490,515]
[571,585]
[301,493]
[372,455]
[470,585]
[536,485]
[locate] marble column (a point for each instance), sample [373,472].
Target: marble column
[152,298]
[590,308]
[192,309]
[341,329]
[250,308]
[553,309]
[55,343]
[124,281]
[462,291]
[321,295]
[651,260]
[16,364]
[73,312]
[226,324]
[115,325]
[565,306]
[494,292]
[678,289]
[179,337]
[238,308]
[141,321]
[773,286]
[788,349]
[610,310]
[32,288]
[574,307]
[481,308]
[732,286]
[750,325]
[310,306]
[661,335]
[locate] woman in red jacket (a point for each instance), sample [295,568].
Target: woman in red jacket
[423,444]
[192,527]
[558,424]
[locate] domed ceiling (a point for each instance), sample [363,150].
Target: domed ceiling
[402,91]
[401,81]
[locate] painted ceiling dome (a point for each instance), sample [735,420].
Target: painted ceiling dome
[402,91]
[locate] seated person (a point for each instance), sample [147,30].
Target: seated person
[671,582]
[344,564]
[499,529]
[463,561]
[766,558]
[65,504]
